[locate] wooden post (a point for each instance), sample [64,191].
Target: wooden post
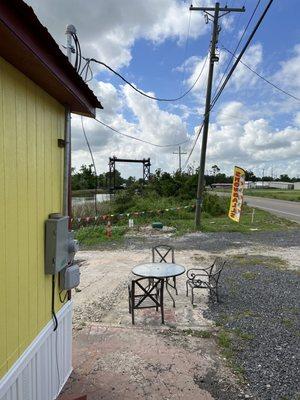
[252,217]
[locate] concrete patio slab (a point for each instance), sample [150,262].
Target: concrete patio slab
[114,360]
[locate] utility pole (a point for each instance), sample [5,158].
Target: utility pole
[179,156]
[272,172]
[212,59]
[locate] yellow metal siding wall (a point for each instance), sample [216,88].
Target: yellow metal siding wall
[31,176]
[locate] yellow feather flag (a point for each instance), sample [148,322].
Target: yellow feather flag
[237,194]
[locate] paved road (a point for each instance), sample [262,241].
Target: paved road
[282,208]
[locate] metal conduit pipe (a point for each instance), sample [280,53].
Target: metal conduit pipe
[67,164]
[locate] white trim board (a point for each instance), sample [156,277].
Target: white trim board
[44,367]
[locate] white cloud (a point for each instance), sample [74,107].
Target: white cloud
[242,76]
[251,144]
[156,125]
[297,119]
[240,134]
[232,113]
[108,29]
[288,76]
[151,123]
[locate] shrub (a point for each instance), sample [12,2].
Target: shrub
[124,200]
[215,205]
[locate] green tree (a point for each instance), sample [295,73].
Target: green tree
[85,178]
[250,176]
[285,178]
[215,170]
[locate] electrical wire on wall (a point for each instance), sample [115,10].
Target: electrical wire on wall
[53,305]
[78,56]
[55,321]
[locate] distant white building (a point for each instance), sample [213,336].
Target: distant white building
[297,185]
[261,185]
[250,185]
[275,185]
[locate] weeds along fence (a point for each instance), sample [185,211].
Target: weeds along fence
[143,209]
[81,219]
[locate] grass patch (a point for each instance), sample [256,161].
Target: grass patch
[226,319]
[194,333]
[153,208]
[290,195]
[244,335]
[246,314]
[226,340]
[92,235]
[288,323]
[263,221]
[258,260]
[249,276]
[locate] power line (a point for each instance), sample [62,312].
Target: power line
[218,12]
[85,68]
[216,97]
[193,147]
[88,145]
[238,45]
[77,52]
[241,53]
[94,164]
[261,77]
[186,44]
[145,94]
[138,139]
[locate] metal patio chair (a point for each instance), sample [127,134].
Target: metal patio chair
[141,295]
[165,253]
[205,278]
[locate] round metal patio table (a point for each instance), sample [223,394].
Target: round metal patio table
[162,271]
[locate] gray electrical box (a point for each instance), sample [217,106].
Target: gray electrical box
[56,243]
[69,278]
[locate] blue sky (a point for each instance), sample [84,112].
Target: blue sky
[252,125]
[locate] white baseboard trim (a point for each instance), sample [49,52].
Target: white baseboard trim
[44,367]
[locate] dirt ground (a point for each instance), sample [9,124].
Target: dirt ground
[114,360]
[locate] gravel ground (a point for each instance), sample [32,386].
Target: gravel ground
[218,241]
[211,242]
[260,313]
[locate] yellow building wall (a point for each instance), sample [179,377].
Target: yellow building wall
[31,178]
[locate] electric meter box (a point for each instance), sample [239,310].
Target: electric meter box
[56,243]
[69,277]
[73,247]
